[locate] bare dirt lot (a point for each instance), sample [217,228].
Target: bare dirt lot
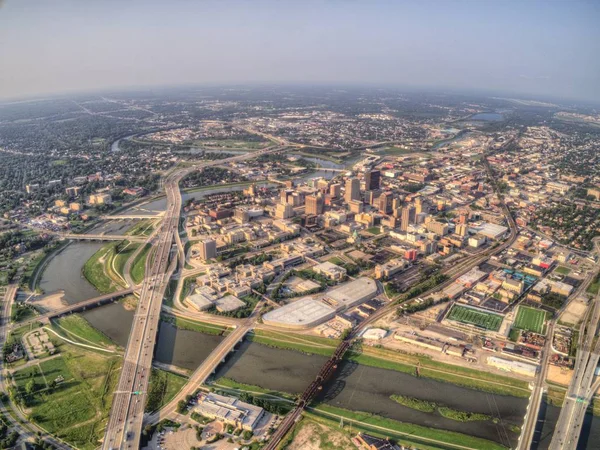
[314,436]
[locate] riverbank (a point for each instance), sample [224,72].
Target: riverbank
[447,373]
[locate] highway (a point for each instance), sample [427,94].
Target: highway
[533,409]
[568,428]
[127,412]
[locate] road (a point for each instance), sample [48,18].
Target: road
[533,409]
[127,412]
[568,428]
[201,374]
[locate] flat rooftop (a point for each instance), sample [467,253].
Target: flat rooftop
[303,313]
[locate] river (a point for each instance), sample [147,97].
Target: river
[364,388]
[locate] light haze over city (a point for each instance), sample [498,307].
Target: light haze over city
[546,49]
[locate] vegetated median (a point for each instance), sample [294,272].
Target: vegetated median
[138,266]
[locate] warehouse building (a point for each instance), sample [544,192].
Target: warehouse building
[312,311]
[230,410]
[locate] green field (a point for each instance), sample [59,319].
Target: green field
[489,321]
[374,230]
[563,270]
[70,395]
[121,258]
[98,270]
[162,387]
[594,286]
[530,319]
[78,329]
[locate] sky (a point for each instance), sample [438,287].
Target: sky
[530,48]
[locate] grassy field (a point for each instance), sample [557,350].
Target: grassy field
[98,270]
[405,433]
[142,228]
[78,329]
[374,230]
[447,373]
[594,286]
[232,144]
[530,319]
[237,386]
[138,267]
[162,387]
[489,321]
[563,270]
[312,345]
[397,151]
[76,410]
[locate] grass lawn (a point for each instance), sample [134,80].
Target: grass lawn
[162,388]
[78,329]
[98,269]
[563,270]
[530,319]
[142,228]
[489,321]
[374,230]
[594,286]
[77,409]
[336,260]
[447,373]
[138,267]
[312,345]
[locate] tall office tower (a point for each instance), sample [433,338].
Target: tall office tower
[370,197]
[385,202]
[372,180]
[461,229]
[408,217]
[314,204]
[323,185]
[352,190]
[396,203]
[289,184]
[208,249]
[284,211]
[419,205]
[462,218]
[286,196]
[335,190]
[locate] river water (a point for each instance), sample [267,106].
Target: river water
[364,388]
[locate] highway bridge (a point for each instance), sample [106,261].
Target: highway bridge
[102,237]
[132,216]
[201,374]
[124,427]
[81,306]
[582,388]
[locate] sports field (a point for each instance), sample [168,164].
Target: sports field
[530,319]
[489,321]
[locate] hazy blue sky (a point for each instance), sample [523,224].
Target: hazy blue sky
[546,47]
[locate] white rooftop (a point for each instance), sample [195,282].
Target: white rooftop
[303,313]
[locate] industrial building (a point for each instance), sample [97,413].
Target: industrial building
[230,410]
[314,310]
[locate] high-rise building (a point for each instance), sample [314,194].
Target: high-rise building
[323,185]
[352,190]
[314,204]
[208,249]
[372,180]
[284,211]
[408,217]
[461,229]
[385,202]
[419,205]
[335,190]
